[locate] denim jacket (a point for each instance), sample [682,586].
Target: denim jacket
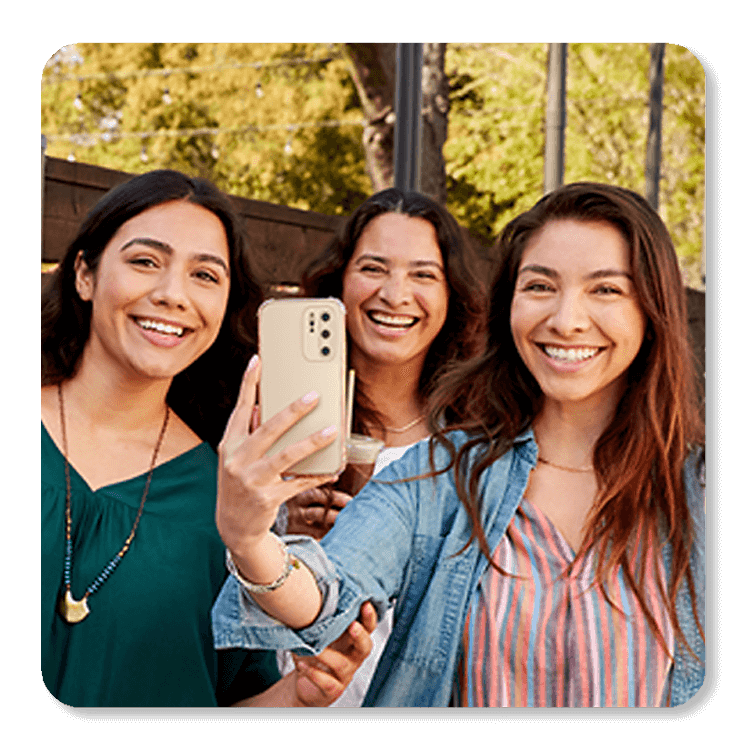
[403,542]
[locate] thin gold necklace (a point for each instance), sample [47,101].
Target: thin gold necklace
[405,427]
[584,470]
[74,610]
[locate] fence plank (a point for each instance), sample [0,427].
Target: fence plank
[282,239]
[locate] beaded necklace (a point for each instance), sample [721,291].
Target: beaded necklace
[74,610]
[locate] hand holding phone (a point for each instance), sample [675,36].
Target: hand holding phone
[252,484]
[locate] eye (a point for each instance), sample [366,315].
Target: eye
[537,286]
[371,268]
[144,261]
[607,290]
[208,276]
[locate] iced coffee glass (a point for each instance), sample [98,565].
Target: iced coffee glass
[362,452]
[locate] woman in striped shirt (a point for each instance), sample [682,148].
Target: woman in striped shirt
[554,554]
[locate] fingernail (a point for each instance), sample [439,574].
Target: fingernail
[252,363]
[308,398]
[328,431]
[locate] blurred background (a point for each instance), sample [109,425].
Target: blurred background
[310,127]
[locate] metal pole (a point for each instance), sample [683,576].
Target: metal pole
[554,147]
[408,105]
[653,141]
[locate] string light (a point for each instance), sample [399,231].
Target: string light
[109,124]
[90,139]
[54,79]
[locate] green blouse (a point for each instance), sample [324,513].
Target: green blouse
[147,640]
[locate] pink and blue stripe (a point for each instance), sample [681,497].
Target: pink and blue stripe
[545,637]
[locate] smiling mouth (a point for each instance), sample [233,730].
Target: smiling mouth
[570,354]
[168,329]
[392,321]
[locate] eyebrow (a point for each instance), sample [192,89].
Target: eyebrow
[553,274]
[413,263]
[169,250]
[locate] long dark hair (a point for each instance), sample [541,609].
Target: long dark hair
[204,393]
[462,333]
[640,456]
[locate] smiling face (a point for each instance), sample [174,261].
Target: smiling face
[395,291]
[159,292]
[575,316]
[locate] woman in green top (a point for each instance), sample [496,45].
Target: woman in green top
[146,327]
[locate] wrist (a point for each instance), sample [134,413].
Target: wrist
[263,570]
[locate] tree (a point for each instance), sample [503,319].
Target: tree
[374,75]
[284,122]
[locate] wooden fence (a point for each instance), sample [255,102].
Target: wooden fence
[281,240]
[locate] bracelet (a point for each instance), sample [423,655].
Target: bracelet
[290,564]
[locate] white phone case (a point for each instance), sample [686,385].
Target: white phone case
[302,344]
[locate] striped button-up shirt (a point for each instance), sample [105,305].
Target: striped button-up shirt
[546,635]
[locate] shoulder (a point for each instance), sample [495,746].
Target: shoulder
[50,409]
[179,438]
[694,477]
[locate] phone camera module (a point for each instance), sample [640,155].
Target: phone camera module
[325,333]
[325,351]
[325,316]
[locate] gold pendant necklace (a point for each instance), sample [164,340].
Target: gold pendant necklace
[74,610]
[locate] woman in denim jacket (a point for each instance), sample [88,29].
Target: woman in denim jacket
[546,547]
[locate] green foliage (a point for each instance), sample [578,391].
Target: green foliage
[495,148]
[245,115]
[240,114]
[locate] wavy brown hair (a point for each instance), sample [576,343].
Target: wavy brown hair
[462,334]
[639,457]
[204,393]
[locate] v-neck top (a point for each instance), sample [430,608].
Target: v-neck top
[547,636]
[147,640]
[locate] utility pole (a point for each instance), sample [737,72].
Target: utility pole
[653,141]
[554,146]
[408,133]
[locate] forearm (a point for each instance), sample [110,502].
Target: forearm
[297,601]
[282,694]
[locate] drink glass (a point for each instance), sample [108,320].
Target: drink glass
[362,452]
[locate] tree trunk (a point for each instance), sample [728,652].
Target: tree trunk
[374,74]
[435,105]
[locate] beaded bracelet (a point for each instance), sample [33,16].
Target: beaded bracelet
[290,564]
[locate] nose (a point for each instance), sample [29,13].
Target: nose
[395,290]
[170,290]
[569,315]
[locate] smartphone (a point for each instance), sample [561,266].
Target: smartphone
[302,343]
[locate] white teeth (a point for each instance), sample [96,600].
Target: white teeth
[155,325]
[392,320]
[570,354]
